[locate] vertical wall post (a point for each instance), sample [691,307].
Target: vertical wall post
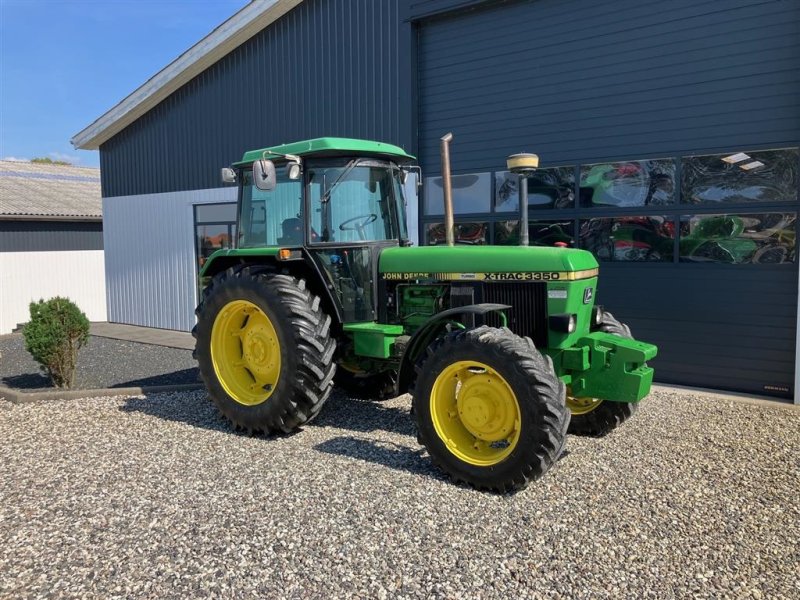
[795,392]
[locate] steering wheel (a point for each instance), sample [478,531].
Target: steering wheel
[359,223]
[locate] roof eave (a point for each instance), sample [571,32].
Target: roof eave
[229,35]
[71,218]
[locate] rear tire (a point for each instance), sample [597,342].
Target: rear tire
[597,418]
[489,409]
[264,349]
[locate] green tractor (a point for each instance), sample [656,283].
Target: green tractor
[502,348]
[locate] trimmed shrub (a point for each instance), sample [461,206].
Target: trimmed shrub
[53,336]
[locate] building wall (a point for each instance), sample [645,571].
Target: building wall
[31,236]
[573,80]
[576,81]
[29,276]
[150,257]
[327,68]
[579,84]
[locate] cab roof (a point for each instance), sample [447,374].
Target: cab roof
[330,146]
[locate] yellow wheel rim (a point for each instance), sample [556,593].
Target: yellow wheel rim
[245,352]
[475,413]
[581,406]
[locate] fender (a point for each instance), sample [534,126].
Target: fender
[305,268]
[429,331]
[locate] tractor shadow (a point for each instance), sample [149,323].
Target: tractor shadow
[190,408]
[341,412]
[365,416]
[383,453]
[180,377]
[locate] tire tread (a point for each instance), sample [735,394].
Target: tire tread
[309,328]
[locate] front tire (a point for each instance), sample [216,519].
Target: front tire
[264,349]
[489,409]
[597,418]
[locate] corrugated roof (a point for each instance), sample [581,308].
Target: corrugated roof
[231,34]
[43,190]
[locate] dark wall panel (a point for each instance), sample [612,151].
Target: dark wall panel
[583,81]
[41,236]
[327,68]
[574,80]
[728,327]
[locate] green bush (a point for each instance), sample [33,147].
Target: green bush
[53,336]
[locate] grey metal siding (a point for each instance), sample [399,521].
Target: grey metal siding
[44,236]
[151,267]
[577,81]
[327,68]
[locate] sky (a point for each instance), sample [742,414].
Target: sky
[64,63]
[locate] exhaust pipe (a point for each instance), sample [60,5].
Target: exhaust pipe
[523,211]
[447,190]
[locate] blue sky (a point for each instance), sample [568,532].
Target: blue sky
[63,63]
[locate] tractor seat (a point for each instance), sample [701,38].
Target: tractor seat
[292,232]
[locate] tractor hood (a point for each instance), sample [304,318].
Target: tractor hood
[471,262]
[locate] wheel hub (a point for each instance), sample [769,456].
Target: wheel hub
[246,352]
[483,406]
[475,413]
[258,349]
[581,406]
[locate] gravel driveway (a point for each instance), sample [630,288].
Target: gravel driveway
[156,497]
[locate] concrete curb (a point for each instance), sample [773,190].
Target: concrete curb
[20,397]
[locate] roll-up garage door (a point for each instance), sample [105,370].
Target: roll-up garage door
[668,133]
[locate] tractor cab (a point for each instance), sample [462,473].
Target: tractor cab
[335,202]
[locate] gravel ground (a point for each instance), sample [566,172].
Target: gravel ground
[156,497]
[102,363]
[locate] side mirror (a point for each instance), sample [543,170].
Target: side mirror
[294,170]
[228,175]
[264,175]
[406,171]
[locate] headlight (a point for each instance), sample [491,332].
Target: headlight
[563,323]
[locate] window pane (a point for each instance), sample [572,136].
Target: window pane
[471,194]
[768,176]
[271,218]
[540,233]
[629,238]
[465,233]
[352,202]
[412,207]
[211,238]
[738,239]
[632,183]
[547,188]
[216,213]
[349,274]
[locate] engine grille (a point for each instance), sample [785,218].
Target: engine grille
[528,315]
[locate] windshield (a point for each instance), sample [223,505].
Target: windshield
[355,201]
[270,218]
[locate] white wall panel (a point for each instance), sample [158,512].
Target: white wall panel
[27,276]
[151,272]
